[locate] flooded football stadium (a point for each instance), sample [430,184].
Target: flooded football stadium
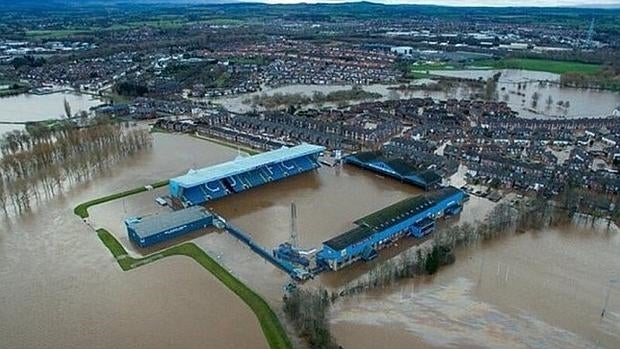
[544,289]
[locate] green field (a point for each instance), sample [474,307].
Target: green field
[421,71]
[55,34]
[545,65]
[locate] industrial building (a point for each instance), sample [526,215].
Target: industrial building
[414,216]
[150,230]
[396,168]
[214,182]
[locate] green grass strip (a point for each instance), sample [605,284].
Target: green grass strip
[272,329]
[545,65]
[81,210]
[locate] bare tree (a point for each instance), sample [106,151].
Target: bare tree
[67,109]
[40,162]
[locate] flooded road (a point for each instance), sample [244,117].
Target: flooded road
[535,290]
[61,288]
[29,107]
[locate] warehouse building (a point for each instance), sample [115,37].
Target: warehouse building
[150,230]
[414,216]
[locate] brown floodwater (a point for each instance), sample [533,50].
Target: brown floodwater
[534,290]
[583,102]
[30,107]
[61,288]
[328,200]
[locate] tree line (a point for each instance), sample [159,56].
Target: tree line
[341,98]
[307,311]
[40,162]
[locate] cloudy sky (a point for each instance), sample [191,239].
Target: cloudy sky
[469,2]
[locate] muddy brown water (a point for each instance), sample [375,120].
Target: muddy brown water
[30,107]
[61,287]
[534,290]
[583,102]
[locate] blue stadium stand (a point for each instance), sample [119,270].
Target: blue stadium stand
[214,182]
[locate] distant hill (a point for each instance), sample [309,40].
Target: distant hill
[362,7]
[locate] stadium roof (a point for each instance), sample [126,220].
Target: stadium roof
[401,167]
[152,225]
[387,217]
[244,164]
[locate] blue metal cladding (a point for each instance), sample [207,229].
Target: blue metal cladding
[417,225]
[236,183]
[168,234]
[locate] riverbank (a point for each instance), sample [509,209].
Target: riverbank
[81,210]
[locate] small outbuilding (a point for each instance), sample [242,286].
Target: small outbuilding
[150,230]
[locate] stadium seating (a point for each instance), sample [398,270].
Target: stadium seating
[290,167]
[216,189]
[194,196]
[265,174]
[235,183]
[211,183]
[305,163]
[277,170]
[256,178]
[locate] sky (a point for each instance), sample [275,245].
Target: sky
[496,3]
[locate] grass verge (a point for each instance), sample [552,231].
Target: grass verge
[81,210]
[272,329]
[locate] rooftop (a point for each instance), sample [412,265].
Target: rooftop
[387,217]
[154,224]
[244,164]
